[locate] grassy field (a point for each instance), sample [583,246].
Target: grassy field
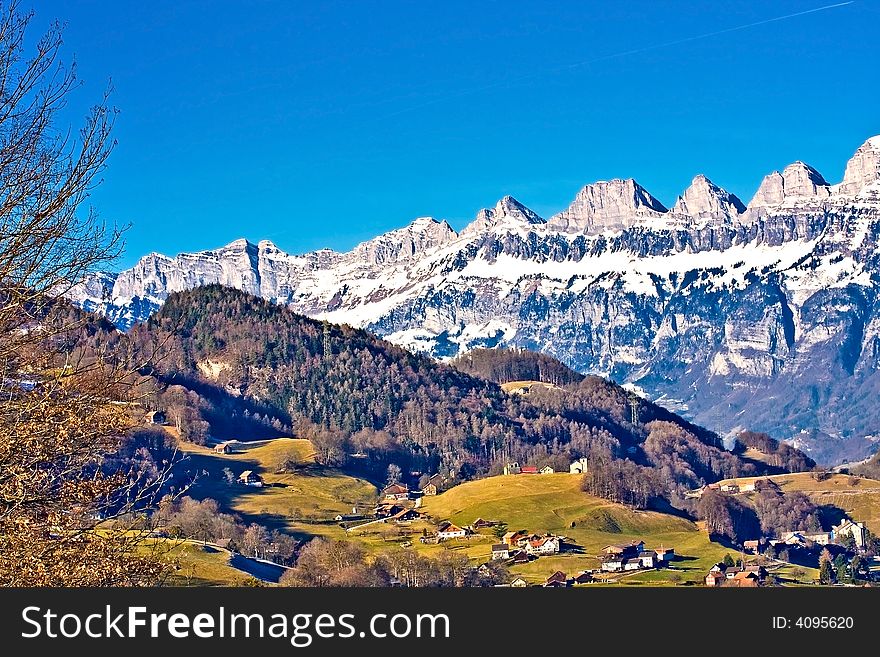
[519,385]
[554,503]
[857,496]
[196,565]
[302,501]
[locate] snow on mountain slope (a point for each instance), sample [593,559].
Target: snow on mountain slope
[768,313]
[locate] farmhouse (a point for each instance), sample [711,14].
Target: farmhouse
[513,538]
[434,485]
[583,577]
[386,509]
[625,549]
[519,583]
[648,558]
[405,515]
[715,578]
[665,555]
[557,580]
[543,545]
[223,448]
[745,576]
[512,468]
[500,551]
[578,467]
[250,478]
[850,528]
[448,530]
[755,546]
[729,488]
[479,523]
[613,564]
[396,492]
[547,470]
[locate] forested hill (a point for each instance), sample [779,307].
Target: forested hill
[506,365]
[368,404]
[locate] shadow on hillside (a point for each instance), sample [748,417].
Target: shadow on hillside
[662,505]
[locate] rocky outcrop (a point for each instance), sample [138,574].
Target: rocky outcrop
[706,200]
[863,169]
[602,206]
[507,212]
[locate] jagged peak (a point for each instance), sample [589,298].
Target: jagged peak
[863,168]
[507,210]
[797,180]
[608,205]
[705,199]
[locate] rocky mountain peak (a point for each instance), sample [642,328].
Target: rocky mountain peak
[405,243]
[507,210]
[796,180]
[607,205]
[863,168]
[705,199]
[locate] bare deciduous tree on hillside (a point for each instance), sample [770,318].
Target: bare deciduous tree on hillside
[57,427]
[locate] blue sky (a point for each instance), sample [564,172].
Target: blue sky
[321,124]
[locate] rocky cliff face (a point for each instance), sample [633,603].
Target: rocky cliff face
[765,317]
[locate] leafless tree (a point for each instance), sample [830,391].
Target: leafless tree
[57,422]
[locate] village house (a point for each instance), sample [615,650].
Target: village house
[223,448]
[500,551]
[665,555]
[543,545]
[648,559]
[434,485]
[250,478]
[745,576]
[449,531]
[557,580]
[386,509]
[511,468]
[613,563]
[547,470]
[578,467]
[583,577]
[405,515]
[634,556]
[479,523]
[513,538]
[625,549]
[396,492]
[348,517]
[803,539]
[755,546]
[519,557]
[519,583]
[850,528]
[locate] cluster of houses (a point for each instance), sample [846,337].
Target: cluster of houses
[514,468]
[728,487]
[807,539]
[747,575]
[521,546]
[634,556]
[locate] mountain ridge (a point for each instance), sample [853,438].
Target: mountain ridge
[711,304]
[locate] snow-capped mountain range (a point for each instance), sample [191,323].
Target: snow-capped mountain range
[764,316]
